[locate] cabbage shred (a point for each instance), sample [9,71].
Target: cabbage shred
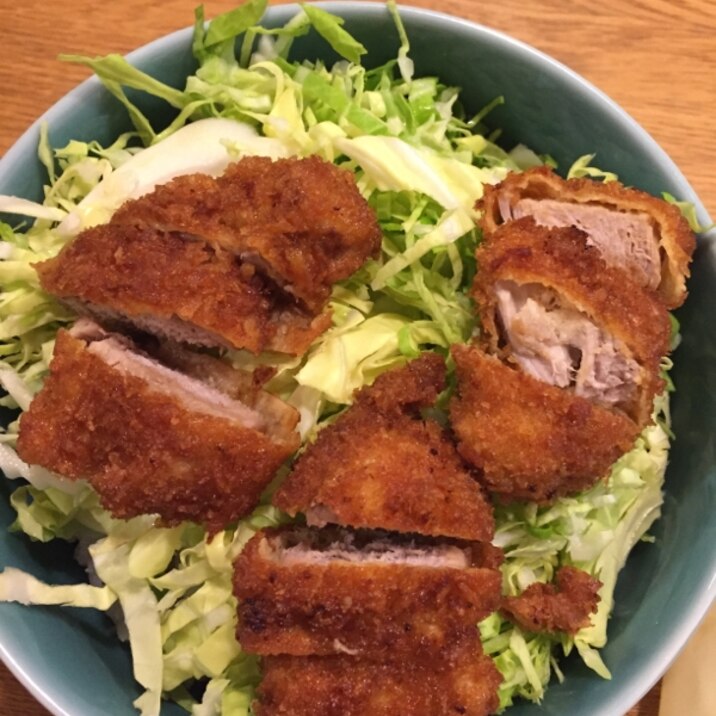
[420,163]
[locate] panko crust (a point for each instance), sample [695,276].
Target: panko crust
[380,465]
[377,610]
[559,258]
[530,440]
[462,681]
[676,239]
[142,450]
[303,222]
[562,607]
[139,272]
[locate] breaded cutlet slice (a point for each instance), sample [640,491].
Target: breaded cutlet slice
[549,303]
[301,222]
[150,439]
[565,606]
[527,439]
[372,594]
[639,233]
[178,288]
[382,465]
[461,680]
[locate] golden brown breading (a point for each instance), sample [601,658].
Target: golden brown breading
[318,603]
[566,606]
[381,465]
[529,440]
[301,221]
[462,681]
[141,447]
[676,241]
[156,280]
[559,259]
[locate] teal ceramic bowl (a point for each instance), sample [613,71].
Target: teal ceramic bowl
[70,659]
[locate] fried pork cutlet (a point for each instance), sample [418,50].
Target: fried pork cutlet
[530,440]
[566,606]
[548,302]
[368,594]
[302,222]
[381,465]
[152,440]
[634,231]
[178,288]
[461,680]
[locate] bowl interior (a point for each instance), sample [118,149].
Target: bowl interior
[70,658]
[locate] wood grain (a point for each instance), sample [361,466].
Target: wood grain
[656,58]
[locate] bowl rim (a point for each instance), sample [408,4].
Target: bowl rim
[624,696]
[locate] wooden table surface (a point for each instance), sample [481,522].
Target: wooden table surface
[656,58]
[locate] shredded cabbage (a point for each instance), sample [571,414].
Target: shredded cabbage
[421,165]
[594,531]
[17,586]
